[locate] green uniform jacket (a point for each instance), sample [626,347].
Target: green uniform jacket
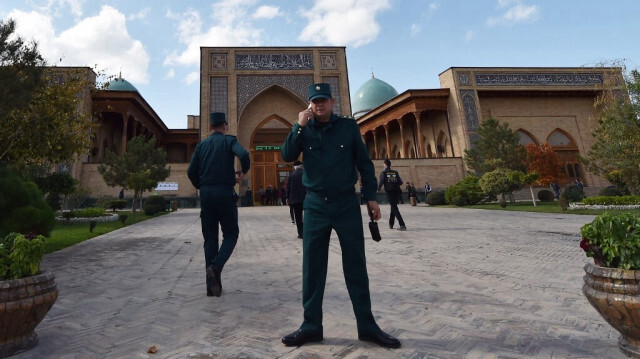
[212,163]
[333,154]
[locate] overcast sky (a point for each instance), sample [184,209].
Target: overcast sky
[155,44]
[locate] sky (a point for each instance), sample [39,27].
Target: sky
[155,44]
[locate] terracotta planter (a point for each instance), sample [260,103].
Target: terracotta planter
[23,304]
[615,293]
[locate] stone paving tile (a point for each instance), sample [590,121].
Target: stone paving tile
[459,283]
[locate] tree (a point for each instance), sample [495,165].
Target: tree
[497,147]
[501,181]
[543,160]
[139,169]
[41,119]
[616,144]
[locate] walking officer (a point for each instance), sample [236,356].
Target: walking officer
[333,154]
[212,172]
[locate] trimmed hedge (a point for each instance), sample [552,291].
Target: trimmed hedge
[546,196]
[573,193]
[610,192]
[154,204]
[436,198]
[468,188]
[22,206]
[610,200]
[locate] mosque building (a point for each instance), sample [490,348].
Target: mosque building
[423,131]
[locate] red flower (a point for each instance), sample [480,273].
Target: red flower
[584,244]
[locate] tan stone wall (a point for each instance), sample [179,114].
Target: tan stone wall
[439,172]
[92,180]
[540,116]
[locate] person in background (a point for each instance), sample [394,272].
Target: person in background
[211,170]
[391,181]
[296,194]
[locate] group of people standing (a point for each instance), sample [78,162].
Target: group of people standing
[334,156]
[272,196]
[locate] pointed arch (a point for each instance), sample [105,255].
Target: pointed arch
[566,149]
[561,138]
[442,145]
[526,137]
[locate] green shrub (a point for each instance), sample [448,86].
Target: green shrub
[458,201]
[53,200]
[103,202]
[154,204]
[92,225]
[563,203]
[22,206]
[90,212]
[573,193]
[502,203]
[117,204]
[546,196]
[20,256]
[468,188]
[436,198]
[610,192]
[613,240]
[122,218]
[606,200]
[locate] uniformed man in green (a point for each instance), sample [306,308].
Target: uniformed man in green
[212,171]
[333,154]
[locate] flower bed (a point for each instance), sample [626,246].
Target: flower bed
[602,206]
[105,218]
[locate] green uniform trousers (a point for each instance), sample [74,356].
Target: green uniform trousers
[341,212]
[218,208]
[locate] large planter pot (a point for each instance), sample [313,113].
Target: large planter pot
[23,304]
[615,293]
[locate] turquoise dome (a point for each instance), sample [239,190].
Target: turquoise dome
[370,95]
[121,84]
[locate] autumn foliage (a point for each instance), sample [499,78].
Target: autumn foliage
[544,161]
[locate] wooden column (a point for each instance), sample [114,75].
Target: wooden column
[403,152]
[125,120]
[388,141]
[421,151]
[375,145]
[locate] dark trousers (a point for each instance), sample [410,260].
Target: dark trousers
[297,213]
[291,213]
[395,212]
[218,208]
[341,214]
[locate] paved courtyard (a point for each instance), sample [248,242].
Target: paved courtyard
[459,283]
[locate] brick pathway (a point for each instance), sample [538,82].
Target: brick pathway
[459,283]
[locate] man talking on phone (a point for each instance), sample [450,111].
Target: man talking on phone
[333,154]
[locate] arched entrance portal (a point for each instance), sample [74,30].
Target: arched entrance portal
[267,165]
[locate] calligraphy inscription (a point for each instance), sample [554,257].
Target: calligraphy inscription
[539,79]
[282,61]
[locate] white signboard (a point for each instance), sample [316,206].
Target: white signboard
[167,186]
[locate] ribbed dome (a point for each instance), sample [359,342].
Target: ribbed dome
[370,95]
[120,84]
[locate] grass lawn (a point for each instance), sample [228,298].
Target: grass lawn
[547,207]
[65,235]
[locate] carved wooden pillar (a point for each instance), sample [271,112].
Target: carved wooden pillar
[125,121]
[403,152]
[388,141]
[421,151]
[375,145]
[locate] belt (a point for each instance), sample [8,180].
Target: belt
[331,195]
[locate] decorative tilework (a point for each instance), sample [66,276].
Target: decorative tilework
[464,78]
[470,110]
[275,61]
[218,61]
[328,61]
[219,95]
[334,82]
[251,85]
[532,79]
